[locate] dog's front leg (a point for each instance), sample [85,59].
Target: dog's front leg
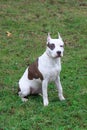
[44,92]
[60,90]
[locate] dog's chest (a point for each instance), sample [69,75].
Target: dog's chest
[50,70]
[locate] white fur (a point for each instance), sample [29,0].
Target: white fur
[49,64]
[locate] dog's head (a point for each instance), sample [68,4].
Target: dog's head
[55,47]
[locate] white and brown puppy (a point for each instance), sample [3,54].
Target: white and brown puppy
[44,70]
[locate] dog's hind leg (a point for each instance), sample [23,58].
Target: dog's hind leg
[24,94]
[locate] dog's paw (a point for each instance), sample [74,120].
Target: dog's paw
[24,99]
[46,103]
[61,98]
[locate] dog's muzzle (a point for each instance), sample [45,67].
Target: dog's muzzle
[58,53]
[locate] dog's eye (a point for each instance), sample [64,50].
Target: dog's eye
[51,46]
[61,45]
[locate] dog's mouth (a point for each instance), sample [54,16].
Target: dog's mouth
[58,54]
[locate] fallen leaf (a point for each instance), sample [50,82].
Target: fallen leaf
[8,33]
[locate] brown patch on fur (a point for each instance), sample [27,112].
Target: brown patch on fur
[51,46]
[19,89]
[33,72]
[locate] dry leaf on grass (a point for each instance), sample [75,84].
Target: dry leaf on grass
[8,34]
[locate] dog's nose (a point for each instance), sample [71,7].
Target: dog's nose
[59,52]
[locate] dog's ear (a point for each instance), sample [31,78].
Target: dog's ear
[59,36]
[48,38]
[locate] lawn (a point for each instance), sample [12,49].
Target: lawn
[28,22]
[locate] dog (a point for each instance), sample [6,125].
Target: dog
[44,70]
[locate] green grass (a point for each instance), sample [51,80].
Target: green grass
[29,21]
